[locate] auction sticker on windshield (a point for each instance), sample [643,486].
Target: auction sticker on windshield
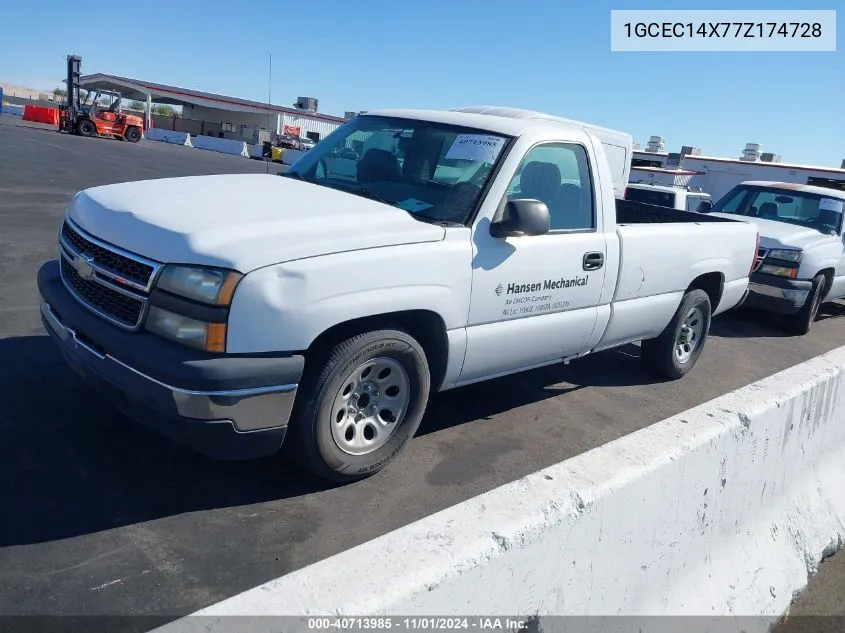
[829,204]
[479,147]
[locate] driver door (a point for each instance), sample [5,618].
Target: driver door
[535,298]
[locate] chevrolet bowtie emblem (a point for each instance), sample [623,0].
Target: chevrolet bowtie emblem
[82,264]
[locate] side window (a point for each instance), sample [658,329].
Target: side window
[558,174]
[733,202]
[774,205]
[693,202]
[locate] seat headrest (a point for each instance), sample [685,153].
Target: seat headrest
[540,180]
[768,208]
[378,165]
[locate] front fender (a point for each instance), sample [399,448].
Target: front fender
[286,306]
[818,259]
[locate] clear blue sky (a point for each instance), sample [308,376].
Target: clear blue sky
[550,55]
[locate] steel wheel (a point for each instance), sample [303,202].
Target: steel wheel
[87,128]
[689,335]
[801,322]
[370,406]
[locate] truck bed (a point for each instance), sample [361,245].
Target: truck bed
[634,212]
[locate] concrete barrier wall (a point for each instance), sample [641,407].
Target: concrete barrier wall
[725,509]
[168,136]
[13,110]
[290,156]
[223,145]
[256,150]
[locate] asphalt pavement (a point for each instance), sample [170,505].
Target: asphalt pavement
[99,516]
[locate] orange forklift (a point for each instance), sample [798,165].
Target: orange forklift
[100,115]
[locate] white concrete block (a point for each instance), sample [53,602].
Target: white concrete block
[723,510]
[290,156]
[168,136]
[256,150]
[13,110]
[223,145]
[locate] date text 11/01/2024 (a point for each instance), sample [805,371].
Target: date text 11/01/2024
[385,623]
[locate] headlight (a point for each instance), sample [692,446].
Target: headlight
[207,336]
[787,255]
[780,271]
[213,286]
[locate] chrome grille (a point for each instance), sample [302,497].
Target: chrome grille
[109,281]
[127,311]
[124,267]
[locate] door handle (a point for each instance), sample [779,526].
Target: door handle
[593,261]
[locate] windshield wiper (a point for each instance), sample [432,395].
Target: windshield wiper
[369,193]
[364,192]
[291,174]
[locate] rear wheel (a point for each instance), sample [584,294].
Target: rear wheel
[86,127]
[362,401]
[132,134]
[674,353]
[801,322]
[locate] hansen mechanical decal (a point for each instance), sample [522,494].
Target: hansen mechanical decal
[528,300]
[548,284]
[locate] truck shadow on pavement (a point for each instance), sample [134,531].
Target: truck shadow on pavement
[71,465]
[620,367]
[750,323]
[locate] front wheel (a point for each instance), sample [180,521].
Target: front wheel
[674,353]
[132,134]
[801,322]
[86,127]
[361,402]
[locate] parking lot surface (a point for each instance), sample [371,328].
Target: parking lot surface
[101,516]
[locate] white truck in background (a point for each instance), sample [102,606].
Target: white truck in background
[317,311]
[801,263]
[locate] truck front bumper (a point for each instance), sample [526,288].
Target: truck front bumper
[777,294]
[225,407]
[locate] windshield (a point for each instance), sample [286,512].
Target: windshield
[810,210]
[433,171]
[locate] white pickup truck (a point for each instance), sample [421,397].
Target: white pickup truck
[802,254]
[321,308]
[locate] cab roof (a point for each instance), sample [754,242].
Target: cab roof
[509,121]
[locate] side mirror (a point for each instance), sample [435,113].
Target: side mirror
[705,206]
[522,217]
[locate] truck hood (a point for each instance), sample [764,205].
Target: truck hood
[774,234]
[243,221]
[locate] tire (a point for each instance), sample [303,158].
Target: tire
[86,127]
[668,355]
[132,134]
[340,440]
[801,322]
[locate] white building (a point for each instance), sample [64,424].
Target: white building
[717,176]
[720,175]
[208,114]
